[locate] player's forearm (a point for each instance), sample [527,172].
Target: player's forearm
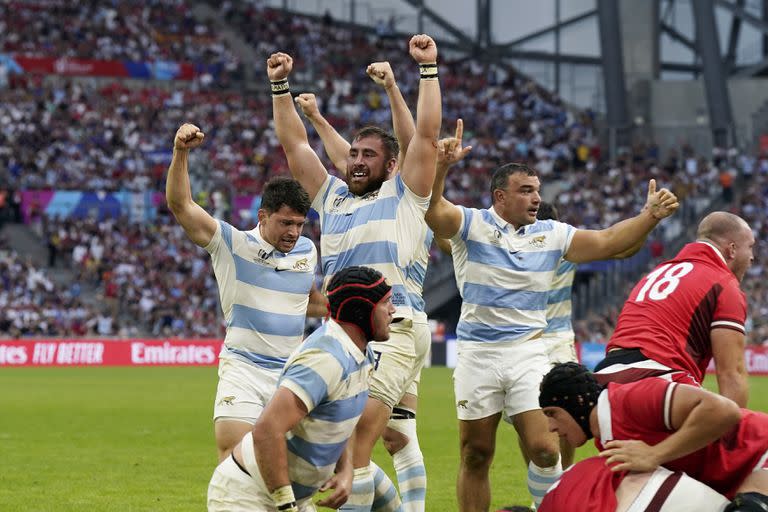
[402,119]
[272,457]
[627,235]
[734,385]
[288,126]
[335,145]
[429,112]
[178,193]
[709,420]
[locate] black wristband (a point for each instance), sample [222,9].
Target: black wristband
[428,71]
[287,506]
[280,87]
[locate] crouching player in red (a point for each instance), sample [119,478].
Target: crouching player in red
[591,485]
[653,422]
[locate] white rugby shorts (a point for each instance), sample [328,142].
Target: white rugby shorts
[675,492]
[243,390]
[498,377]
[399,360]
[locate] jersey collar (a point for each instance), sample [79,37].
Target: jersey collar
[341,335]
[715,249]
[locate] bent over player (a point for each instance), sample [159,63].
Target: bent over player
[299,444]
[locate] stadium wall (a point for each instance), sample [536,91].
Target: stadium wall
[204,352]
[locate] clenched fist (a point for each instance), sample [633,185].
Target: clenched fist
[188,136]
[279,66]
[308,104]
[381,73]
[423,49]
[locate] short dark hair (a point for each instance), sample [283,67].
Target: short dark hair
[547,211]
[281,191]
[501,175]
[391,146]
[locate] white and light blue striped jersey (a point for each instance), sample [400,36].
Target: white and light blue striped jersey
[384,229]
[505,275]
[559,301]
[264,294]
[330,374]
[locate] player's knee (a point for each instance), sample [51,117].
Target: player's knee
[748,502]
[393,440]
[476,455]
[543,453]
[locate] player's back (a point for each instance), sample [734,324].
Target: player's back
[671,311]
[587,485]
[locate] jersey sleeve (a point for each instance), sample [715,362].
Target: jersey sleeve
[311,375]
[319,201]
[221,240]
[466,220]
[645,404]
[420,203]
[731,310]
[565,234]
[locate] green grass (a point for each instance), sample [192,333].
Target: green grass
[129,439]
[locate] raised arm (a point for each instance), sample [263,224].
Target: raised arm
[590,245]
[197,223]
[418,170]
[731,370]
[698,417]
[304,164]
[335,145]
[443,217]
[402,119]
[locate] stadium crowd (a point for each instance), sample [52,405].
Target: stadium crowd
[143,30]
[83,135]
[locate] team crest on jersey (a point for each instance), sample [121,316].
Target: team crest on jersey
[496,240]
[337,204]
[538,241]
[302,265]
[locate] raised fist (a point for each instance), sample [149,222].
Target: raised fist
[423,49]
[381,73]
[308,104]
[188,136]
[279,66]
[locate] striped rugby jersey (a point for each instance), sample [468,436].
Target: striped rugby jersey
[559,301]
[330,375]
[264,294]
[504,276]
[384,229]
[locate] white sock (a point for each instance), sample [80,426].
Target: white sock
[409,465]
[385,496]
[541,479]
[361,498]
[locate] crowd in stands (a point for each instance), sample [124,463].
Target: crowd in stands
[82,135]
[139,31]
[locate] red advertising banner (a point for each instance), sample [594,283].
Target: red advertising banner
[756,358]
[100,352]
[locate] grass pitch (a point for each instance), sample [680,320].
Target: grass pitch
[130,439]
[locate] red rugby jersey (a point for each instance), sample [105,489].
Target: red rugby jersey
[672,310]
[641,410]
[587,485]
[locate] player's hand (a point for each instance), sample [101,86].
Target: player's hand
[188,136]
[423,49]
[662,203]
[341,483]
[308,104]
[630,456]
[279,66]
[381,73]
[449,150]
